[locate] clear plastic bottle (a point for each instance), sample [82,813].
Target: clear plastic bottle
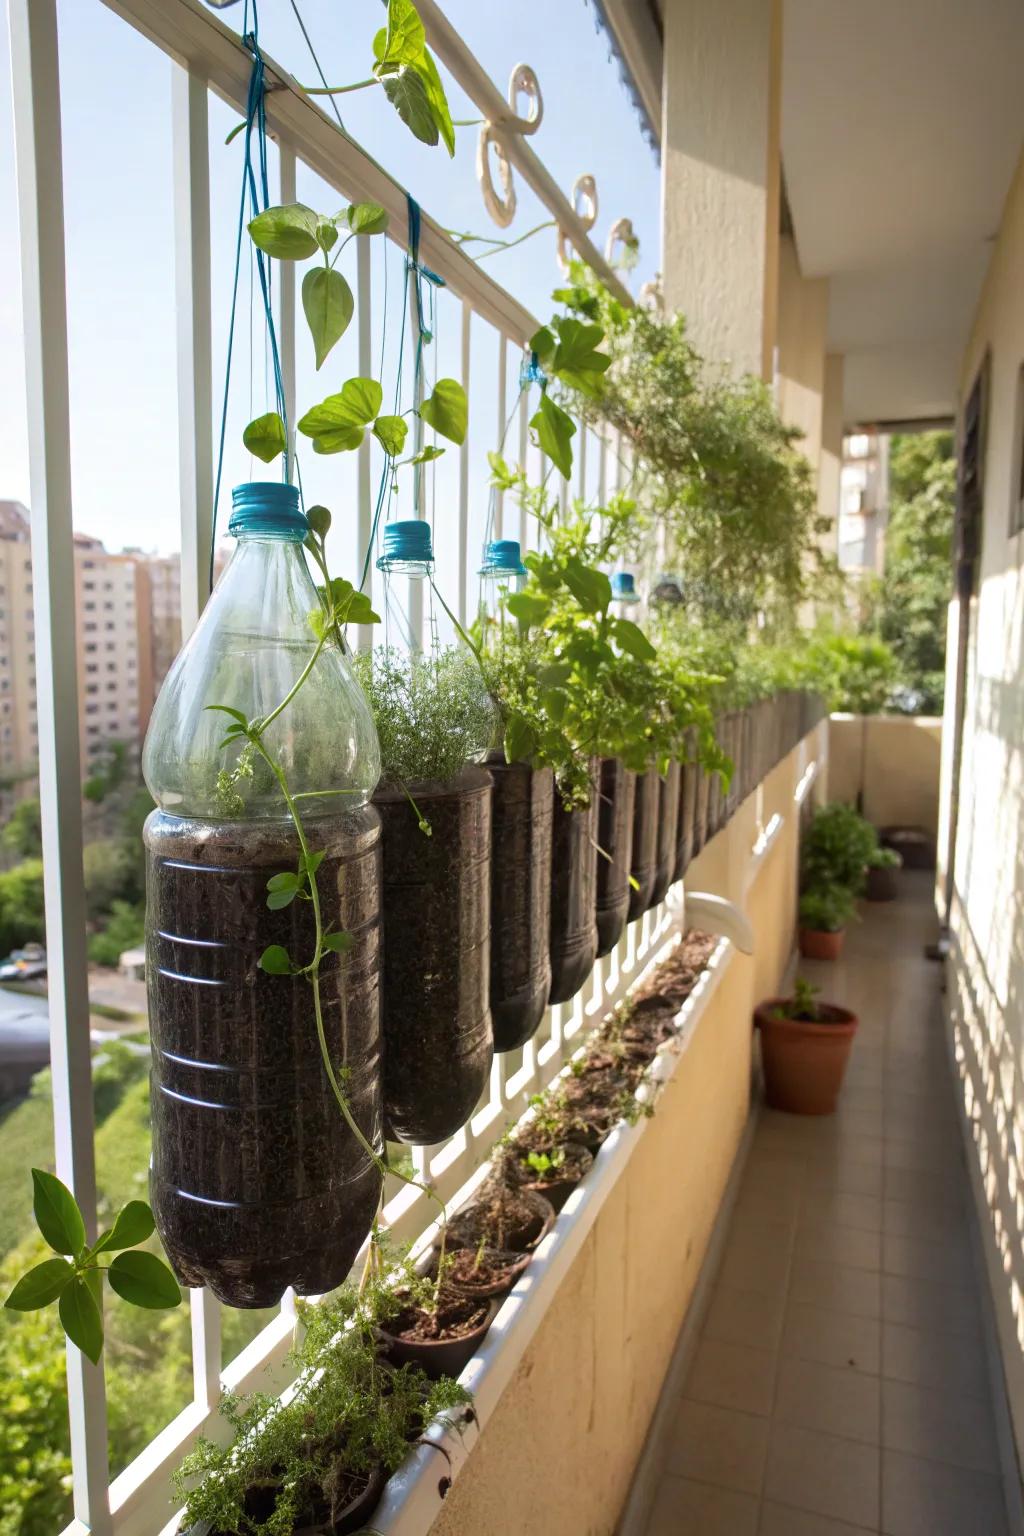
[257,1181]
[625,597]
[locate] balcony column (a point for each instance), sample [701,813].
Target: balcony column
[831,461]
[721,175]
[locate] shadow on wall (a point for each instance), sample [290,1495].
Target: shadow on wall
[987,966]
[894,761]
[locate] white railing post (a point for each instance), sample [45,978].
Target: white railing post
[464,569]
[364,480]
[37,127]
[190,134]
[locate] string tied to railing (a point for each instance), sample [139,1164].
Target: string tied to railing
[531,372]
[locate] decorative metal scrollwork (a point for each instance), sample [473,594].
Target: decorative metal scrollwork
[584,190]
[501,209]
[651,296]
[621,233]
[524,79]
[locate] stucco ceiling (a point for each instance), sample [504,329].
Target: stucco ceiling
[902,121]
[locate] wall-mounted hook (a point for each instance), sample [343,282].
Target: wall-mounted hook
[584,191]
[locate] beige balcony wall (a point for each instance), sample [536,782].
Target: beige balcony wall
[894,761]
[557,1456]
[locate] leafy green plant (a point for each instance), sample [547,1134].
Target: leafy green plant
[432,711]
[73,1278]
[855,673]
[884,858]
[801,1005]
[826,908]
[837,848]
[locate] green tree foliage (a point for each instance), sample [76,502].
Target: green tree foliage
[916,585]
[124,929]
[113,873]
[22,835]
[22,919]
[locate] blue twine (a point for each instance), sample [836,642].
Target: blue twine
[531,372]
[255,119]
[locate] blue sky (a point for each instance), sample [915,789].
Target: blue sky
[117,169]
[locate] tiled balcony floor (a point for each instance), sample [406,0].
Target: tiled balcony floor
[840,1385]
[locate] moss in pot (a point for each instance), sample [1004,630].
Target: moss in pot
[434,719]
[825,911]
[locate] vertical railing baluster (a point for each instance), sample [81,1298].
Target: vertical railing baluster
[581,462]
[419,479]
[464,569]
[602,469]
[190,134]
[284,272]
[524,443]
[37,126]
[364,480]
[499,501]
[190,137]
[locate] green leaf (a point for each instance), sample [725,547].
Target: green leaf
[632,639]
[427,455]
[404,39]
[544,344]
[367,219]
[265,437]
[501,476]
[577,361]
[132,1224]
[554,431]
[288,232]
[326,233]
[143,1280]
[275,960]
[81,1319]
[553,703]
[407,92]
[225,709]
[57,1215]
[285,881]
[591,588]
[337,423]
[328,305]
[319,520]
[338,943]
[438,101]
[390,432]
[40,1286]
[312,861]
[520,742]
[527,607]
[447,410]
[277,900]
[360,610]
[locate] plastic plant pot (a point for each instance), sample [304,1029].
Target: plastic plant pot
[438,1042]
[668,827]
[442,1356]
[644,864]
[615,846]
[521,813]
[573,896]
[257,1182]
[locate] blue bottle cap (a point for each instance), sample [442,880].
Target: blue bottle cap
[503,557]
[267,509]
[623,588]
[406,542]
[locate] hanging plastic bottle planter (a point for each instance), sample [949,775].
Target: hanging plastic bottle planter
[617,794]
[522,809]
[644,858]
[668,827]
[258,1181]
[574,856]
[436,722]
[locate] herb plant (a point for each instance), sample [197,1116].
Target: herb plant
[826,908]
[836,848]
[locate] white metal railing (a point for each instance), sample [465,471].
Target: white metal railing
[207,58]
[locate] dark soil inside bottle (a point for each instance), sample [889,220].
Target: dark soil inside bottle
[520,900]
[668,828]
[688,774]
[615,849]
[257,1183]
[644,857]
[501,1217]
[436,978]
[573,896]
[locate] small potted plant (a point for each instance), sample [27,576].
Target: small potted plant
[805,1046]
[825,911]
[882,883]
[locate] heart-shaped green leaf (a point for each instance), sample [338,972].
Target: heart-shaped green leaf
[40,1286]
[367,219]
[437,100]
[427,455]
[337,423]
[328,305]
[632,639]
[576,360]
[403,40]
[591,588]
[391,432]
[285,881]
[57,1215]
[326,234]
[520,742]
[554,430]
[338,943]
[81,1319]
[275,960]
[278,900]
[288,232]
[406,90]
[265,437]
[144,1280]
[527,607]
[447,410]
[132,1224]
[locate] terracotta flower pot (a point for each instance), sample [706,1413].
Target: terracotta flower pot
[815,944]
[882,884]
[804,1063]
